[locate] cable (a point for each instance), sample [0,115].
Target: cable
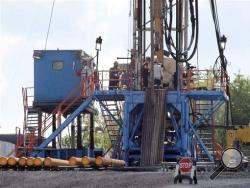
[194,19]
[50,19]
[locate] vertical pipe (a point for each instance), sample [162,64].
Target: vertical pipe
[151,80]
[53,129]
[39,139]
[79,133]
[72,141]
[91,135]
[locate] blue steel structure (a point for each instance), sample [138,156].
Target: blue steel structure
[178,105]
[182,141]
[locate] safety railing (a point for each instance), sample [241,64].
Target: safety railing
[114,79]
[85,88]
[203,80]
[28,96]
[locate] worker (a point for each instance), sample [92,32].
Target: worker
[124,84]
[87,72]
[145,72]
[158,74]
[114,76]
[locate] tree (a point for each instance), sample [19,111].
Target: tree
[101,135]
[240,99]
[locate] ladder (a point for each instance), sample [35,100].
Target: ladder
[113,108]
[31,125]
[206,131]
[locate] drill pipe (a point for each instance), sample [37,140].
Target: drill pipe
[100,162]
[30,161]
[13,161]
[22,161]
[88,161]
[75,161]
[38,162]
[51,162]
[3,161]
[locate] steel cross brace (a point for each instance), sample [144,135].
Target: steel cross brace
[137,124]
[201,143]
[174,123]
[209,113]
[61,127]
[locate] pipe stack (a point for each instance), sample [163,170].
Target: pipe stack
[3,161]
[103,162]
[52,162]
[74,161]
[88,161]
[30,161]
[12,161]
[38,162]
[22,162]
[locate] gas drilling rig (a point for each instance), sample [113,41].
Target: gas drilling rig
[145,125]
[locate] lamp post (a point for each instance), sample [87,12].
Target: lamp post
[223,41]
[98,47]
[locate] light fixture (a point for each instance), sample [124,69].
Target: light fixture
[37,55]
[223,41]
[98,44]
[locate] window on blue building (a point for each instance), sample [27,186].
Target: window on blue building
[57,65]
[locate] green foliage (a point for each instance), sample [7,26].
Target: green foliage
[101,136]
[240,99]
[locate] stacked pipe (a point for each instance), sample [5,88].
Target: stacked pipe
[48,162]
[153,127]
[3,161]
[88,161]
[103,162]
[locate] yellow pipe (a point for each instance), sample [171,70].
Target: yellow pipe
[51,162]
[117,163]
[100,162]
[22,161]
[75,161]
[3,161]
[38,162]
[13,161]
[30,161]
[88,161]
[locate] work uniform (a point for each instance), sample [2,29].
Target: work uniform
[158,74]
[114,75]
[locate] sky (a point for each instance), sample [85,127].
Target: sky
[77,23]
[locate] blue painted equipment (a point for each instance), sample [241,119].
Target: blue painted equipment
[182,138]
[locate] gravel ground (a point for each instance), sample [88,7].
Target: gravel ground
[112,179]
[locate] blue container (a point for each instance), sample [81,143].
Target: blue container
[56,74]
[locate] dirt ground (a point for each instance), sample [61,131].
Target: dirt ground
[114,179]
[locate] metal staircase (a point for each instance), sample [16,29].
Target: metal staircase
[111,112]
[206,131]
[29,139]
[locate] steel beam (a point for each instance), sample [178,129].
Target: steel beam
[64,125]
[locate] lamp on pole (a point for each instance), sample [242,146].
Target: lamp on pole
[223,41]
[98,47]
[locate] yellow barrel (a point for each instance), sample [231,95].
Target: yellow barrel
[51,162]
[75,161]
[3,161]
[88,161]
[13,161]
[22,161]
[38,162]
[30,161]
